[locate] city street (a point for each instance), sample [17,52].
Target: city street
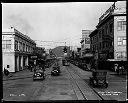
[64,51]
[72,84]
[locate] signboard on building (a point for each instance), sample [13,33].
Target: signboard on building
[109,11]
[33,57]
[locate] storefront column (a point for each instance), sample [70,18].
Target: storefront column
[22,62]
[27,60]
[18,63]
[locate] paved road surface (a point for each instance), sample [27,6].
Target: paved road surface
[72,84]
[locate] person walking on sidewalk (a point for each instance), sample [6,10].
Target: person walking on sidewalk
[6,72]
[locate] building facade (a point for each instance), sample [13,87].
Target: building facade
[85,42]
[109,39]
[16,48]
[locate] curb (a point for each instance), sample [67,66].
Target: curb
[17,78]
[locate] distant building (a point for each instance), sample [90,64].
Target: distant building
[109,39]
[16,48]
[85,42]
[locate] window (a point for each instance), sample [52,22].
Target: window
[102,31]
[121,54]
[121,25]
[121,40]
[124,41]
[26,48]
[16,45]
[20,46]
[106,29]
[3,44]
[111,27]
[6,44]
[7,66]
[87,40]
[23,47]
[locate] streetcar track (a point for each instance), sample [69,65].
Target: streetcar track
[77,86]
[88,85]
[73,89]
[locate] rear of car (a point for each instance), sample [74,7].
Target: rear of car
[39,75]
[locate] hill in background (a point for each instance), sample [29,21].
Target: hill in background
[58,51]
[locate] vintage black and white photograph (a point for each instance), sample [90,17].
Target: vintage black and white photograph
[64,51]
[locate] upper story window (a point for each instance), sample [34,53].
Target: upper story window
[106,29]
[111,27]
[16,45]
[102,31]
[23,47]
[121,25]
[121,40]
[87,40]
[6,44]
[100,34]
[20,46]
[26,48]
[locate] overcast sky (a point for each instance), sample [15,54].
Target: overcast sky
[59,22]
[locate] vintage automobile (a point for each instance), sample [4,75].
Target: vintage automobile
[39,74]
[65,63]
[99,78]
[55,71]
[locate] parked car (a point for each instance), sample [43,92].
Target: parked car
[39,74]
[99,78]
[55,71]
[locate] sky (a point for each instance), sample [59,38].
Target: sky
[56,22]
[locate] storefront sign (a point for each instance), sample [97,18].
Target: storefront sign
[33,57]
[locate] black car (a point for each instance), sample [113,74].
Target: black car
[39,74]
[55,71]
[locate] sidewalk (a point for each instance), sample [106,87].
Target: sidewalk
[18,75]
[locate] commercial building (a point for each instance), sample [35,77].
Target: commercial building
[85,42]
[109,39]
[16,48]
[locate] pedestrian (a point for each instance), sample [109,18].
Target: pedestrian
[6,72]
[120,70]
[116,67]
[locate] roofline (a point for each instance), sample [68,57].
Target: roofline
[18,33]
[93,33]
